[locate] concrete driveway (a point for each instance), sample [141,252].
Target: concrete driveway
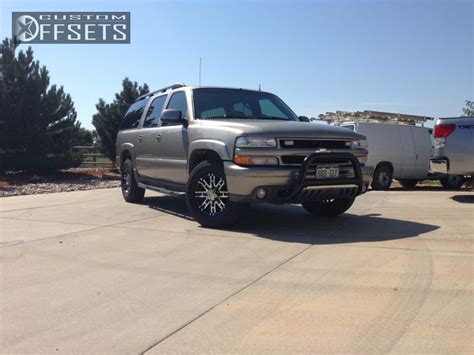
[86,272]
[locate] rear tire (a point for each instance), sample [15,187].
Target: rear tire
[328,208]
[208,199]
[130,190]
[452,182]
[408,183]
[382,178]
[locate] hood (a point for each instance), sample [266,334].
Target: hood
[282,129]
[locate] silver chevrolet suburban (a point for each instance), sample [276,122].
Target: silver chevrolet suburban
[224,148]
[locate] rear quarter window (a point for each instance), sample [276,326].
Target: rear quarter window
[133,115]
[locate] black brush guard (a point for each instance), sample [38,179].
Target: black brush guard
[324,158]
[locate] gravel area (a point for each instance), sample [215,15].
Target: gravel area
[14,184]
[59,186]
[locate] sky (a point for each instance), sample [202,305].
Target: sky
[413,57]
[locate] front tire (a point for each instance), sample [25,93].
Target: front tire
[382,178]
[130,190]
[328,208]
[452,182]
[208,199]
[408,183]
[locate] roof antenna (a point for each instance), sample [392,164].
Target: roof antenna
[199,71]
[259,88]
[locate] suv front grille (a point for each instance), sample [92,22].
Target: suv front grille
[298,160]
[313,144]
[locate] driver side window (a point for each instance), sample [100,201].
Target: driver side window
[178,102]
[152,117]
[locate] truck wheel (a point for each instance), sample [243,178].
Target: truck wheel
[130,190]
[382,178]
[207,197]
[408,183]
[452,182]
[328,208]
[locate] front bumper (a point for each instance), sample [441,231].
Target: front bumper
[290,184]
[439,165]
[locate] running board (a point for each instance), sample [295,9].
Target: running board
[161,189]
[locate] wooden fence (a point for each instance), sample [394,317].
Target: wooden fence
[93,158]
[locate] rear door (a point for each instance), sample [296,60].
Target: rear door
[130,131]
[146,156]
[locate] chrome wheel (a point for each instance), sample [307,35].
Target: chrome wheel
[212,196]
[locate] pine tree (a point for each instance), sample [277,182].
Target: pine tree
[37,121]
[109,116]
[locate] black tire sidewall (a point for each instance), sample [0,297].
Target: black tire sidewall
[448,184]
[375,182]
[135,193]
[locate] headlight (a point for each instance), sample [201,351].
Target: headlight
[251,160]
[360,144]
[255,142]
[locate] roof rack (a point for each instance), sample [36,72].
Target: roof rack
[374,116]
[166,88]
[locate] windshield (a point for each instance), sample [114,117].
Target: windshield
[239,104]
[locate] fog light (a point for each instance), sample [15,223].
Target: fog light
[261,193]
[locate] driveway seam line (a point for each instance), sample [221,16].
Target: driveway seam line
[46,206]
[226,299]
[67,234]
[202,314]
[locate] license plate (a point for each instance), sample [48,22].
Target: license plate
[327,173]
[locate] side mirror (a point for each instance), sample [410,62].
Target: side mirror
[171,117]
[304,119]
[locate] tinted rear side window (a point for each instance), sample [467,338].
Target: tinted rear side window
[132,117]
[152,117]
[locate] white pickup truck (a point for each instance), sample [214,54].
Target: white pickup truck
[454,146]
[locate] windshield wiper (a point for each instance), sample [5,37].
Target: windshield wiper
[226,117]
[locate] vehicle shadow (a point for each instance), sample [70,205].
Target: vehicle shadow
[463,198]
[421,188]
[291,223]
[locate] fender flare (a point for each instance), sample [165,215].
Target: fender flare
[211,144]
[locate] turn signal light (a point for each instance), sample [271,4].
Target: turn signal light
[253,160]
[444,130]
[242,160]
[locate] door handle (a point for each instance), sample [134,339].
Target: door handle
[140,138]
[158,137]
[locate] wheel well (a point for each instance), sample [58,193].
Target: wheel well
[385,163]
[201,155]
[124,156]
